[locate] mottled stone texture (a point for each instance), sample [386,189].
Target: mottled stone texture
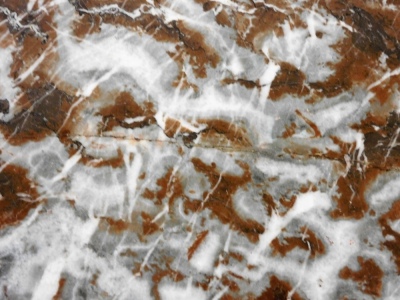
[195,149]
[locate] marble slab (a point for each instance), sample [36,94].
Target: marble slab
[199,149]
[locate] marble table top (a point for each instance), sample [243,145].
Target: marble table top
[199,149]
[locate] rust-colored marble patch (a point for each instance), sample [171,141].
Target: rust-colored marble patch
[86,25]
[218,130]
[392,237]
[269,203]
[252,29]
[189,42]
[306,241]
[123,109]
[114,226]
[33,45]
[289,80]
[219,200]
[368,277]
[249,84]
[382,153]
[200,53]
[61,284]
[376,31]
[376,26]
[310,123]
[18,195]
[162,273]
[290,130]
[42,114]
[278,290]
[199,239]
[148,226]
[174,127]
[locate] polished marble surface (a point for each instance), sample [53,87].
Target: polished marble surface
[196,149]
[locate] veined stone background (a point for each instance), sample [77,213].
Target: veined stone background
[196,149]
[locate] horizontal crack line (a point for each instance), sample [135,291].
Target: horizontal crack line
[244,149]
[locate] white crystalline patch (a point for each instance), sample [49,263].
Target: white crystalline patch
[245,205]
[235,66]
[172,292]
[382,60]
[205,255]
[133,171]
[388,192]
[333,116]
[212,103]
[267,78]
[265,124]
[224,163]
[269,74]
[395,225]
[308,201]
[122,52]
[241,204]
[343,242]
[120,283]
[95,197]
[289,47]
[348,136]
[304,205]
[289,171]
[134,120]
[49,282]
[30,5]
[68,165]
[303,49]
[84,232]
[58,238]
[7,89]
